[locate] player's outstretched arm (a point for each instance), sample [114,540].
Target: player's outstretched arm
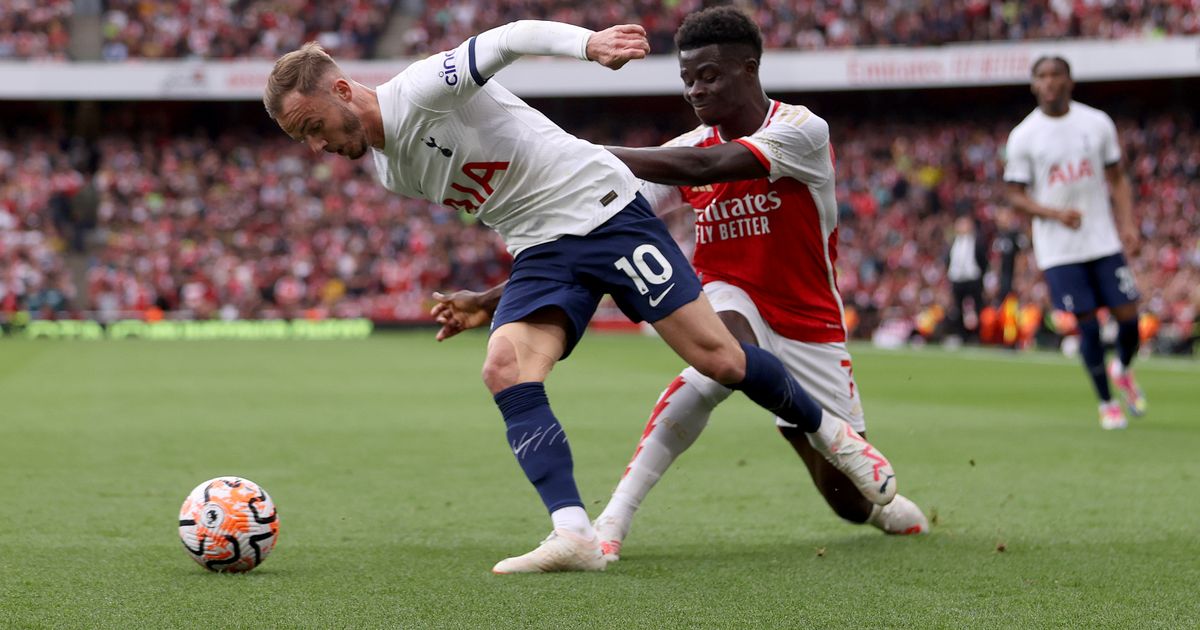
[444,81]
[501,46]
[1020,199]
[464,310]
[692,166]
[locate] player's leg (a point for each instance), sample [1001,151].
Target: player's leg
[1072,290]
[651,280]
[679,416]
[519,358]
[698,336]
[1118,289]
[826,372]
[958,315]
[975,292]
[541,316]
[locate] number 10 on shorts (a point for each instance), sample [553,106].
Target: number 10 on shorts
[643,273]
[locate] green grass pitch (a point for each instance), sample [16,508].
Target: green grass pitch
[397,493]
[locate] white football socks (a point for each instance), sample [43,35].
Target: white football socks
[681,414]
[573,519]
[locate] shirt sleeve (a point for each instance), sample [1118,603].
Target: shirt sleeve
[1018,168]
[795,144]
[1111,144]
[444,81]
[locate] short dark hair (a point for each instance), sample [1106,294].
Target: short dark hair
[719,25]
[1066,66]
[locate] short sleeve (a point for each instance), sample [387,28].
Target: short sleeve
[1018,168]
[794,144]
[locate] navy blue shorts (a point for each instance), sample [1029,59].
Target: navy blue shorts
[1086,286]
[631,257]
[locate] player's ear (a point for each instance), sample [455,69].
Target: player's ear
[341,89]
[751,66]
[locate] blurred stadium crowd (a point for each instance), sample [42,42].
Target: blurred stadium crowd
[249,225]
[815,24]
[224,227]
[223,29]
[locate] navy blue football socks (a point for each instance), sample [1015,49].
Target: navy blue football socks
[539,444]
[1127,340]
[1092,351]
[769,385]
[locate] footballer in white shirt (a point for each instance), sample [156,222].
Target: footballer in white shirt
[1063,163]
[571,214]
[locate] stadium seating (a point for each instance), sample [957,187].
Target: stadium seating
[242,29]
[201,227]
[34,29]
[815,24]
[266,29]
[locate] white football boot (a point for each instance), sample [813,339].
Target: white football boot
[901,517]
[1111,416]
[611,534]
[560,551]
[866,467]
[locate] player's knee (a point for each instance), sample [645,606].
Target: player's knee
[500,369]
[726,365]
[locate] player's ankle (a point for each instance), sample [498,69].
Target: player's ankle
[574,519]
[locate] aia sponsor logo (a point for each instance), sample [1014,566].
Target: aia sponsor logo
[480,187]
[1069,173]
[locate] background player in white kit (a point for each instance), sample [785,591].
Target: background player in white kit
[765,246]
[571,215]
[1058,161]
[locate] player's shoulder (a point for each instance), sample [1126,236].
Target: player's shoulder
[1091,114]
[693,138]
[1026,128]
[798,117]
[797,126]
[1031,120]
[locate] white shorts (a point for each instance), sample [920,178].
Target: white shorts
[823,369]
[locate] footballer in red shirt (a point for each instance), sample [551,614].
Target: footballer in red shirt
[759,175]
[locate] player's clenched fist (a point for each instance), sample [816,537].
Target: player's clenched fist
[616,45]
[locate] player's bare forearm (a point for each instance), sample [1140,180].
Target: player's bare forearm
[491,298]
[1122,195]
[691,166]
[1021,201]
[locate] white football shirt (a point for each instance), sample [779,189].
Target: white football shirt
[455,137]
[1062,160]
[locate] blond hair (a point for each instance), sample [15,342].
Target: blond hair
[300,70]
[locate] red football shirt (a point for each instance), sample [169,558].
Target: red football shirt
[774,237]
